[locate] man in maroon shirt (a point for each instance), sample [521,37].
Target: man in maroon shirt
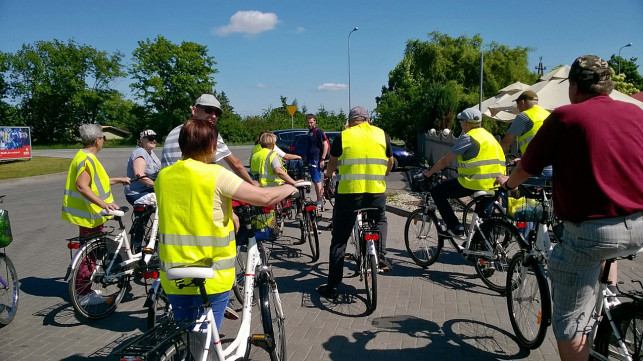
[595,145]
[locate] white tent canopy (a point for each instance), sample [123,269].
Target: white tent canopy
[552,93]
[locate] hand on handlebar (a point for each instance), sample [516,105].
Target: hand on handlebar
[111,207]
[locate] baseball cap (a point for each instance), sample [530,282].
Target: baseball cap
[589,68]
[357,112]
[208,100]
[470,115]
[527,95]
[147,133]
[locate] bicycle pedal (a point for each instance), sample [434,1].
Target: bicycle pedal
[259,340]
[348,255]
[147,250]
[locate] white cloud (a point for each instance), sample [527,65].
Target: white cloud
[332,87]
[262,85]
[248,22]
[300,29]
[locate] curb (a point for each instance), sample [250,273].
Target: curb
[398,211]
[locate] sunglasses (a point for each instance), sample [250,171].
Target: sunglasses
[151,138]
[103,138]
[211,110]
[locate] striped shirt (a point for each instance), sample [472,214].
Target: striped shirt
[172,151]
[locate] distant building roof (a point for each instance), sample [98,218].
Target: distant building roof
[638,96]
[116,131]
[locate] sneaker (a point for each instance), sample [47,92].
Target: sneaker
[457,232]
[93,299]
[384,264]
[328,291]
[230,314]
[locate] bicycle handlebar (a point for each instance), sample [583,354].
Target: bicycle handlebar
[117,213]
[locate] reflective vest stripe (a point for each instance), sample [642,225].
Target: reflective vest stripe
[261,164]
[484,176]
[99,186]
[525,141]
[364,161]
[220,265]
[368,177]
[82,214]
[481,163]
[188,240]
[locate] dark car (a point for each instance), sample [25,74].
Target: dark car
[402,157]
[286,138]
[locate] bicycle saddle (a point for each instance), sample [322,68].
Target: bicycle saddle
[118,213]
[189,272]
[303,184]
[483,194]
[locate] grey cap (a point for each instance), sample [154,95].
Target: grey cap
[208,100]
[470,115]
[357,112]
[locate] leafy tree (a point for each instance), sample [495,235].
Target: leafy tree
[440,77]
[168,78]
[59,86]
[629,69]
[621,84]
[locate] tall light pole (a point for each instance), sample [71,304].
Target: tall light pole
[349,67]
[619,56]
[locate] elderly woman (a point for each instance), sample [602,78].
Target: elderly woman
[142,163]
[87,192]
[195,218]
[265,163]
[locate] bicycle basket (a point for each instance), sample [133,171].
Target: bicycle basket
[5,228]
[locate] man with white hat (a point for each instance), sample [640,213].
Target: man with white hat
[480,159]
[206,107]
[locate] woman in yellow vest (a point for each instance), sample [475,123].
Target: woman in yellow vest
[480,161]
[195,218]
[87,192]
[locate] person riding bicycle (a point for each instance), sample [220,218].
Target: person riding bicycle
[266,167]
[283,155]
[595,145]
[87,193]
[362,153]
[145,164]
[480,161]
[195,218]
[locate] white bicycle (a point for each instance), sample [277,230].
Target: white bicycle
[172,340]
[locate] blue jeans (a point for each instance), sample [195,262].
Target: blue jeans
[188,307]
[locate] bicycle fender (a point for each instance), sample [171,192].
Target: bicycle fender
[71,267]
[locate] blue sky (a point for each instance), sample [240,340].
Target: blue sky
[298,49]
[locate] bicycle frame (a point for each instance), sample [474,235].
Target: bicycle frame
[356,236]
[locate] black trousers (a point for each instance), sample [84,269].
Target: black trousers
[343,221]
[453,189]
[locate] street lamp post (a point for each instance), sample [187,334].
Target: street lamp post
[349,67]
[619,56]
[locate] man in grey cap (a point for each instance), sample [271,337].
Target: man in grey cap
[595,145]
[480,160]
[206,107]
[363,155]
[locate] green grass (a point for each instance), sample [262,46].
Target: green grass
[35,166]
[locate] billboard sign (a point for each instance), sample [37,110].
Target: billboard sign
[15,143]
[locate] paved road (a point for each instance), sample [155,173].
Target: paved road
[441,313]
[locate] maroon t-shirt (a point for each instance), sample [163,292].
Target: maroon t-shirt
[596,149]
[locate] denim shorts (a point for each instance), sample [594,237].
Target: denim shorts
[187,307]
[315,172]
[575,264]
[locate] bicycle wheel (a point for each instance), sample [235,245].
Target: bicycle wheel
[528,301]
[176,350]
[272,320]
[91,295]
[9,292]
[421,237]
[313,236]
[502,237]
[279,218]
[370,281]
[159,311]
[628,318]
[469,210]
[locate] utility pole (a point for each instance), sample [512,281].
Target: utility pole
[540,68]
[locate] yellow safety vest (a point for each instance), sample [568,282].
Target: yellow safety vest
[480,172]
[261,166]
[537,116]
[362,165]
[188,234]
[78,209]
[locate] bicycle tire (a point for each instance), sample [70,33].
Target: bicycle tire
[313,236]
[87,278]
[422,241]
[9,293]
[370,281]
[469,209]
[240,273]
[279,218]
[160,310]
[628,318]
[504,238]
[272,321]
[176,350]
[528,301]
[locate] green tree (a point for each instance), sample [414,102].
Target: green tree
[168,78]
[629,69]
[57,86]
[437,78]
